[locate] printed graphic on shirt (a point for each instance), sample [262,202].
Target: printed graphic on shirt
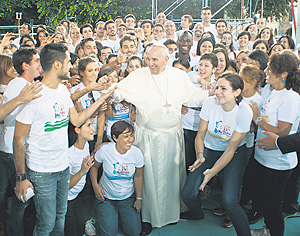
[222,129]
[263,111]
[121,169]
[62,119]
[87,103]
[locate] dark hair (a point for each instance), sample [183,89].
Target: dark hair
[105,47]
[233,64]
[24,37]
[169,41]
[52,52]
[85,26]
[182,61]
[127,37]
[29,26]
[252,72]
[236,83]
[261,57]
[118,17]
[134,57]
[130,16]
[83,41]
[258,41]
[225,54]
[25,41]
[68,23]
[271,40]
[210,33]
[290,40]
[72,135]
[248,26]
[64,38]
[122,24]
[221,20]
[273,46]
[120,127]
[189,17]
[283,62]
[160,25]
[107,70]
[201,41]
[38,43]
[83,62]
[220,45]
[108,22]
[211,57]
[147,21]
[74,57]
[112,55]
[244,33]
[23,54]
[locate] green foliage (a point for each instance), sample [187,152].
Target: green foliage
[91,11]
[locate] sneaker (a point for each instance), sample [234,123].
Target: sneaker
[227,223]
[288,215]
[260,232]
[90,229]
[219,211]
[190,216]
[254,216]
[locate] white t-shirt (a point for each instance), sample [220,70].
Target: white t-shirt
[259,100]
[191,119]
[115,45]
[222,124]
[2,89]
[75,158]
[212,29]
[47,139]
[86,101]
[118,170]
[281,105]
[12,90]
[193,60]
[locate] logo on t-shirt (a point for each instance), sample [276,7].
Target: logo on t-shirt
[61,118]
[121,169]
[222,128]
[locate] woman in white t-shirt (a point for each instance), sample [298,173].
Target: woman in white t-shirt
[119,191]
[278,114]
[220,146]
[80,162]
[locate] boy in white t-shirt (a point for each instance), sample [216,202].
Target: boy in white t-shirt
[43,123]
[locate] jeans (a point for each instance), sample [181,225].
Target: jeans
[7,179]
[232,176]
[108,212]
[189,144]
[268,194]
[51,196]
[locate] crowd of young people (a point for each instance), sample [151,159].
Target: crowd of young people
[256,88]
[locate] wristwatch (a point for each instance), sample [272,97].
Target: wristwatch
[258,119]
[20,177]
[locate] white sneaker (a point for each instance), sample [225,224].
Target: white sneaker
[260,232]
[90,229]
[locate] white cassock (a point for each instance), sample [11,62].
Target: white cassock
[159,135]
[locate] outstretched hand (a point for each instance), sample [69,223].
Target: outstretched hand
[196,164]
[30,93]
[267,143]
[208,174]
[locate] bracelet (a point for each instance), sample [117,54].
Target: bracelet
[198,153]
[258,119]
[139,198]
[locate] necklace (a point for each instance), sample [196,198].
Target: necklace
[166,105]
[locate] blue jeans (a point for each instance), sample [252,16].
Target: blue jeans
[51,201]
[108,212]
[232,176]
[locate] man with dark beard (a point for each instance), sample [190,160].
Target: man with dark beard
[45,124]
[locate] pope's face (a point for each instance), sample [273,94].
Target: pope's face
[156,61]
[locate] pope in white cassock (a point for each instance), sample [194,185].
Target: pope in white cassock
[158,92]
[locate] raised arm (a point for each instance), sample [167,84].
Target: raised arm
[28,94]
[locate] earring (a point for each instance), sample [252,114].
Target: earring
[283,81]
[236,99]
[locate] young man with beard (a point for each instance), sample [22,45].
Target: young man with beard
[112,40]
[44,124]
